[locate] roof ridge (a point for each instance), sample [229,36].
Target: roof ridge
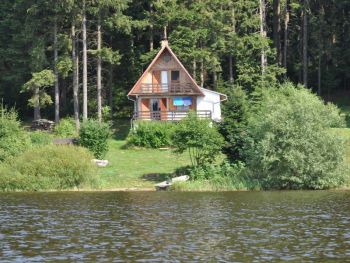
[165,46]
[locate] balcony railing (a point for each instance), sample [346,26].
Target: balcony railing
[173,88]
[168,115]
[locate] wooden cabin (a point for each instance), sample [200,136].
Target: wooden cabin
[166,91]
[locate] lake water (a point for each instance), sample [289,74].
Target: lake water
[176,227]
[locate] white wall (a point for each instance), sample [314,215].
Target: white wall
[211,101]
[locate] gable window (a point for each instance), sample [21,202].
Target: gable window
[175,75]
[166,58]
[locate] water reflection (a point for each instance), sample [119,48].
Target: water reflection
[119,227]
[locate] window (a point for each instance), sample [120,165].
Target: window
[175,75]
[182,101]
[167,58]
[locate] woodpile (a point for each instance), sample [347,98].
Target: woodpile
[42,125]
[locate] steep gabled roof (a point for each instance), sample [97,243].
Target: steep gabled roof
[165,46]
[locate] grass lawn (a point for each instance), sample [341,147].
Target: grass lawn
[138,168]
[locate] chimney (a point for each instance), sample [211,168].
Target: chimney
[164,42]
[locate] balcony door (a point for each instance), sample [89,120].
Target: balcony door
[175,81]
[164,80]
[160,81]
[155,109]
[158,109]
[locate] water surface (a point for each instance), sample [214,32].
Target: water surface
[176,227]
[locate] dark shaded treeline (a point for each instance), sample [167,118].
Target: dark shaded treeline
[223,43]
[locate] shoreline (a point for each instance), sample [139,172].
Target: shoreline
[135,189]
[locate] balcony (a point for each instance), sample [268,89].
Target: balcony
[173,88]
[176,115]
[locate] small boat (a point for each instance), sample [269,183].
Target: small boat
[164,185]
[100,163]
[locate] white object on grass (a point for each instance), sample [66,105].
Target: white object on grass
[100,163]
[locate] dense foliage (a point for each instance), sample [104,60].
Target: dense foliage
[218,178]
[66,128]
[40,138]
[152,134]
[94,135]
[13,138]
[200,138]
[49,167]
[290,143]
[236,113]
[218,41]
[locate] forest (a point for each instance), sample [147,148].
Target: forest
[80,58]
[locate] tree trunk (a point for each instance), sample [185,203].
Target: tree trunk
[285,41]
[57,90]
[37,114]
[75,59]
[230,59]
[277,28]
[230,68]
[202,73]
[63,99]
[151,40]
[85,79]
[99,70]
[215,80]
[305,47]
[319,76]
[110,91]
[320,49]
[262,11]
[132,51]
[194,66]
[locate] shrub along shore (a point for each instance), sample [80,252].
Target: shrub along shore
[283,137]
[280,138]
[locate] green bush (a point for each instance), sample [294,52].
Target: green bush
[291,144]
[214,170]
[66,128]
[40,138]
[218,178]
[13,138]
[106,114]
[235,115]
[11,179]
[151,134]
[199,137]
[51,167]
[94,136]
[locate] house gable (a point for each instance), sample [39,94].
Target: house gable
[166,75]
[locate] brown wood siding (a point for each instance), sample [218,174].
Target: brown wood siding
[193,106]
[163,107]
[168,66]
[163,104]
[159,63]
[156,79]
[145,104]
[171,104]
